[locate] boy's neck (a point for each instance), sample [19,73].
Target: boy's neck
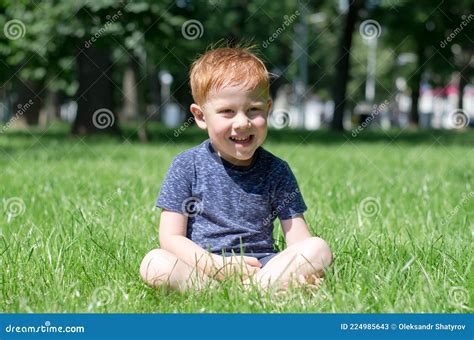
[236,164]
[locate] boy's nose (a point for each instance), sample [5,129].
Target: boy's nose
[241,121]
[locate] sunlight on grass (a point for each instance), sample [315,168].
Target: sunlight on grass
[78,218]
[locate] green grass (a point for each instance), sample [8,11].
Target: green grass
[89,220]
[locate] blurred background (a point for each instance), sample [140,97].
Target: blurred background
[373,110]
[344,65]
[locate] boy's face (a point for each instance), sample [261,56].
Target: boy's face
[236,121]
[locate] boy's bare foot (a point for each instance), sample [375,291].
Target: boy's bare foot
[311,282]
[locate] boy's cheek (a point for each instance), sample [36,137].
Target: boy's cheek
[260,121]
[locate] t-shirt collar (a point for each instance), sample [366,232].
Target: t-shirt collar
[227,164]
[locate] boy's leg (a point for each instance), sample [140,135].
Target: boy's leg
[160,267]
[305,260]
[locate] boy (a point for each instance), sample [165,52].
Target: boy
[220,199]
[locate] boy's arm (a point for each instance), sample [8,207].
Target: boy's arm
[173,238]
[295,230]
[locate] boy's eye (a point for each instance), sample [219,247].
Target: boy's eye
[255,109]
[226,111]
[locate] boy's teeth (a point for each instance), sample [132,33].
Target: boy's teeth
[240,139]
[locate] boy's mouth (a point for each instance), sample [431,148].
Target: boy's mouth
[242,140]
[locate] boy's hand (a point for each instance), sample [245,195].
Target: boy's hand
[244,266]
[252,261]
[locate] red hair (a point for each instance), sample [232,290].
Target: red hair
[227,66]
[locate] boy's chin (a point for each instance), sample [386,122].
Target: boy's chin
[239,158]
[247,157]
[244,158]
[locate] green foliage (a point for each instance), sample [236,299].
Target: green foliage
[56,31]
[425,25]
[151,33]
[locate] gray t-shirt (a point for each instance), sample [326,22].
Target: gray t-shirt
[230,208]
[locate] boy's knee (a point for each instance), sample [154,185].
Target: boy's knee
[153,266]
[318,249]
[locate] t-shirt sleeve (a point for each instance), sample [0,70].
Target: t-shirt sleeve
[177,185]
[287,201]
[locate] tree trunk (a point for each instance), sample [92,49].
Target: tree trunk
[234,39]
[415,96]
[140,87]
[152,111]
[95,102]
[343,66]
[27,104]
[134,101]
[415,86]
[51,109]
[464,74]
[129,88]
[462,84]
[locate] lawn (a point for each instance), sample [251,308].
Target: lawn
[396,207]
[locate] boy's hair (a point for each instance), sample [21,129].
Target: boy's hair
[227,66]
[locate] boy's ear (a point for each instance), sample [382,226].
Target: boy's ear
[198,116]
[269,104]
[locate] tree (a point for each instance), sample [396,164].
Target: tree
[424,33]
[343,65]
[95,103]
[87,49]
